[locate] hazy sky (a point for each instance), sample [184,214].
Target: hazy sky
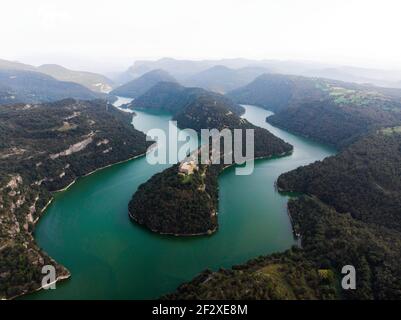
[103,35]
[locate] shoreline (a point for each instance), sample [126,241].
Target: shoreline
[42,212]
[46,206]
[83,176]
[104,167]
[209,232]
[58,279]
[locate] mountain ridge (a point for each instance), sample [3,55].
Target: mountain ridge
[22,86]
[139,86]
[93,81]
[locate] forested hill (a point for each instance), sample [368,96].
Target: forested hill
[172,97]
[330,240]
[364,179]
[329,111]
[139,86]
[351,216]
[276,91]
[183,199]
[21,86]
[338,125]
[44,147]
[223,79]
[207,113]
[93,81]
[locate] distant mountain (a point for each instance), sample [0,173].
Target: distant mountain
[277,91]
[139,86]
[34,87]
[184,69]
[180,69]
[173,97]
[222,79]
[14,65]
[92,81]
[384,78]
[330,111]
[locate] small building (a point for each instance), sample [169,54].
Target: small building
[188,167]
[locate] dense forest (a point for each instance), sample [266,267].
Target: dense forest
[171,203]
[330,240]
[364,180]
[173,97]
[139,86]
[45,148]
[349,212]
[175,202]
[21,86]
[329,111]
[350,216]
[339,126]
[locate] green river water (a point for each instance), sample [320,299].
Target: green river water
[87,229]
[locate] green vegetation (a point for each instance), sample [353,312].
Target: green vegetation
[329,111]
[182,203]
[172,97]
[326,122]
[270,91]
[364,180]
[179,207]
[206,112]
[280,276]
[37,158]
[351,216]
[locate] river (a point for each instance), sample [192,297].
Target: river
[86,228]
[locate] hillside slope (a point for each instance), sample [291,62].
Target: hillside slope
[45,148]
[329,111]
[276,92]
[223,79]
[351,217]
[364,179]
[139,86]
[34,87]
[172,97]
[93,81]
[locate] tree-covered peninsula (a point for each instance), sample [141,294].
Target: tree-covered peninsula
[183,199]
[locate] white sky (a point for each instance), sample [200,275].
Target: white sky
[104,35]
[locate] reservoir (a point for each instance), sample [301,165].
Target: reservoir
[87,229]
